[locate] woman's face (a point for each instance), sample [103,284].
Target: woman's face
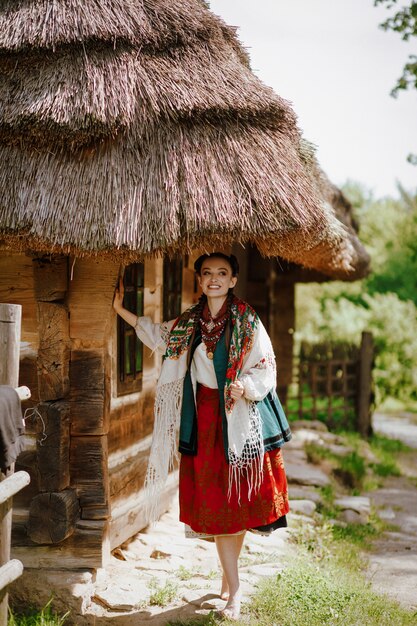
[216,277]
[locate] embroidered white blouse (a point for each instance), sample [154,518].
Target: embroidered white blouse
[155,336]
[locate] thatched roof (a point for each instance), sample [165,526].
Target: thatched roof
[134,127]
[334,199]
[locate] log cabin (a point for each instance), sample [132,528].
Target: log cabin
[133,143]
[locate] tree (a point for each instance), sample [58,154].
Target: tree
[403,21]
[384,303]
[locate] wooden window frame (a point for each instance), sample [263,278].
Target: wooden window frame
[131,381]
[172,287]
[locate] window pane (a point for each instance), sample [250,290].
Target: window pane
[130,349]
[139,274]
[172,288]
[138,364]
[128,353]
[128,276]
[139,303]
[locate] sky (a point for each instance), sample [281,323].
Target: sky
[337,67]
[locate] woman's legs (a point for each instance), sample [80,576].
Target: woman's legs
[224,593]
[228,548]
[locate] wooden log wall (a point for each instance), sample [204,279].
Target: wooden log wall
[271,292]
[16,287]
[131,420]
[131,426]
[49,340]
[92,324]
[74,369]
[50,282]
[282,333]
[88,473]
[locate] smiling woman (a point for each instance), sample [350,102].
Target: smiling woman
[217,392]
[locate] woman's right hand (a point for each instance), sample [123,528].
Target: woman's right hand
[119,293]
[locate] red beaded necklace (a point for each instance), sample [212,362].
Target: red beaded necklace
[212,327]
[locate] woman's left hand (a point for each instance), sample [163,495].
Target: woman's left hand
[236,390]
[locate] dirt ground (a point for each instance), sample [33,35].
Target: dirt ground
[393,559]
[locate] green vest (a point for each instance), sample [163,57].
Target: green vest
[275,428]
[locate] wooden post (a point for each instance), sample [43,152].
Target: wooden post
[282,328]
[364,425]
[10,323]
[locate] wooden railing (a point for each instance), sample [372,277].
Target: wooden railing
[10,570]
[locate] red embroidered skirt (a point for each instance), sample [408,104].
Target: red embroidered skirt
[204,481]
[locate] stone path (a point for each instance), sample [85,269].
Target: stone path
[402,427]
[162,558]
[163,555]
[393,560]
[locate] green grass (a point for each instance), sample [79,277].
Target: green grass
[320,595]
[35,617]
[208,620]
[333,415]
[162,595]
[184,574]
[322,586]
[315,594]
[385,450]
[356,533]
[317,453]
[352,469]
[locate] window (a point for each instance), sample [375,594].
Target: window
[129,348]
[172,288]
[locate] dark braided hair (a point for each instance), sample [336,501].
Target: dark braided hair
[231,260]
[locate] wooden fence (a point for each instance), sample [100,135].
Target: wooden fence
[332,382]
[10,570]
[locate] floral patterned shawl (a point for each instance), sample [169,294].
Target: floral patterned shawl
[250,355]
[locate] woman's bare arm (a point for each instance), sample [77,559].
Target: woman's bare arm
[128,316]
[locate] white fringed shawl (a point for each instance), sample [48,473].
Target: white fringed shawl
[251,360]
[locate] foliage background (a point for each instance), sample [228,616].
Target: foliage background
[384,303]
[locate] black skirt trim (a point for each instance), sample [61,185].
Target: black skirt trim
[281,522]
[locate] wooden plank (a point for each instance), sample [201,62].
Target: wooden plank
[87,547]
[16,285]
[364,424]
[53,446]
[28,375]
[50,275]
[5,533]
[87,396]
[10,323]
[9,572]
[88,468]
[128,478]
[282,331]
[53,516]
[90,298]
[131,421]
[129,515]
[12,484]
[95,512]
[27,462]
[53,354]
